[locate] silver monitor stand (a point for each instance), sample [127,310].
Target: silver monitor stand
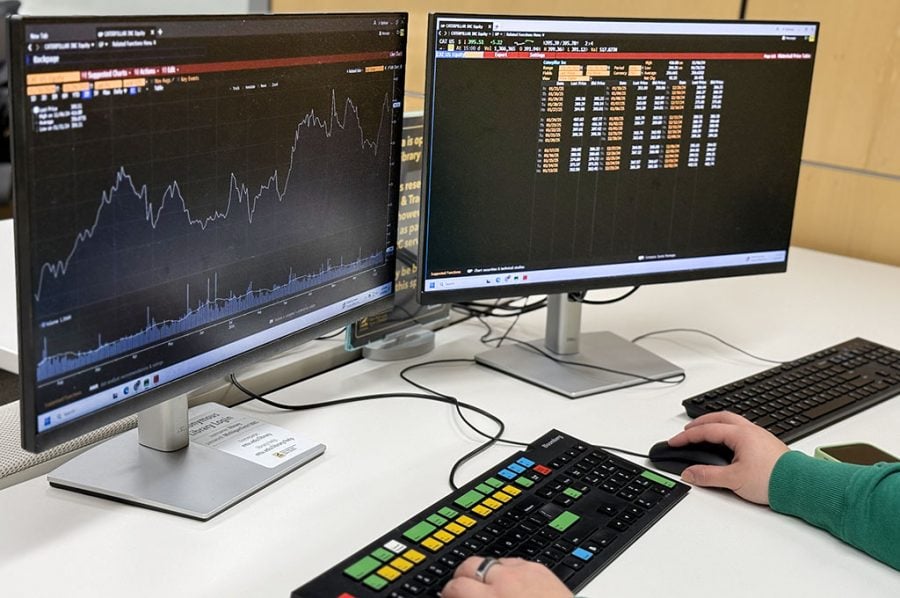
[564,340]
[155,466]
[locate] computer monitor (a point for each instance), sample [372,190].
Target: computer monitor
[192,195]
[567,154]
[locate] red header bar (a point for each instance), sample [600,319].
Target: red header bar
[642,55]
[238,65]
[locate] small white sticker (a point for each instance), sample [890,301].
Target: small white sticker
[262,443]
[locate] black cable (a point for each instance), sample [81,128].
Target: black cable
[439,397]
[331,334]
[710,335]
[476,309]
[579,297]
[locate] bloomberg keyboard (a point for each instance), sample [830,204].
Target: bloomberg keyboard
[801,397]
[561,502]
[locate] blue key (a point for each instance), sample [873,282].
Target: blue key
[505,473]
[581,553]
[524,461]
[515,467]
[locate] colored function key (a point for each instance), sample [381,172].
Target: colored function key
[436,519]
[362,567]
[469,498]
[542,469]
[524,461]
[658,479]
[564,521]
[515,467]
[419,531]
[414,555]
[375,582]
[448,512]
[382,554]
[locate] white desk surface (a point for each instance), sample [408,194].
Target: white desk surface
[387,460]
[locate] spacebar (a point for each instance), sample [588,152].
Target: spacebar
[828,407]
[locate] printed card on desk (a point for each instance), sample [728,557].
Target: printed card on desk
[222,428]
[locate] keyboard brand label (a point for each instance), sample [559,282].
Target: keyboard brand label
[552,441]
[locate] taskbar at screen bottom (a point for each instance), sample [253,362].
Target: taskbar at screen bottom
[152,379]
[475,278]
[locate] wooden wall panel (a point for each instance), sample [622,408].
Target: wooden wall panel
[854,123]
[418,15]
[854,118]
[848,213]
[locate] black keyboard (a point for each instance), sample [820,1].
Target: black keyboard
[561,502]
[798,398]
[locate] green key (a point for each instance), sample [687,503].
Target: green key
[375,582]
[658,479]
[484,489]
[524,482]
[494,483]
[419,531]
[469,498]
[564,521]
[362,567]
[437,519]
[383,554]
[572,493]
[448,512]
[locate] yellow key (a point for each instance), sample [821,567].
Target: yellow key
[492,504]
[414,555]
[502,496]
[389,573]
[444,536]
[401,564]
[432,544]
[482,510]
[465,520]
[512,490]
[454,528]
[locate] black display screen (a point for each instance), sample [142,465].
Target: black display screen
[190,189]
[574,154]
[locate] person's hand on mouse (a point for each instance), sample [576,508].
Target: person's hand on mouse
[477,577]
[755,452]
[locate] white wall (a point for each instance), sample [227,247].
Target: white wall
[135,7]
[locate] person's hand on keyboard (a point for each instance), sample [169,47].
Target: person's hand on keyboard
[477,577]
[755,453]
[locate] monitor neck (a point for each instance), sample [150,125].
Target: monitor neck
[563,324]
[164,427]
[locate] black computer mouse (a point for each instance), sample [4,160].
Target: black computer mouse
[676,459]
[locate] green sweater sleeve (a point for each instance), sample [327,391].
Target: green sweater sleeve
[858,504]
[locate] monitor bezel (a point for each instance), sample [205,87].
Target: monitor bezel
[435,296]
[32,439]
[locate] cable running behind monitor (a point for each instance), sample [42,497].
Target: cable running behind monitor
[193,194]
[567,154]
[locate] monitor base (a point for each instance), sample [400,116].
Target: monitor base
[595,348]
[403,345]
[198,481]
